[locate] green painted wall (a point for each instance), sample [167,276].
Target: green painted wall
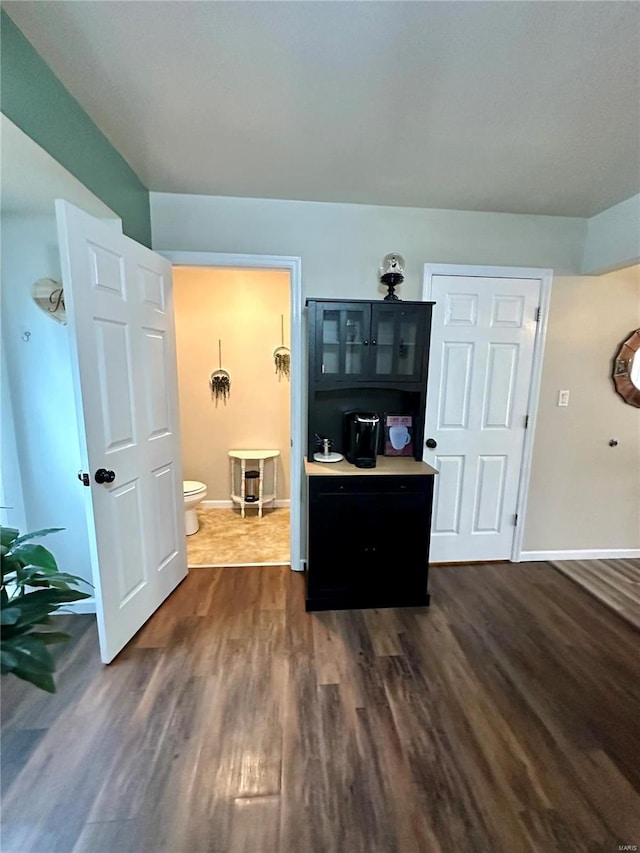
[37,102]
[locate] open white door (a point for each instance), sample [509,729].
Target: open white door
[478,405]
[120,316]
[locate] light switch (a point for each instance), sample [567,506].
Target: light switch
[563,398]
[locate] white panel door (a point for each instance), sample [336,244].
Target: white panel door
[480,367]
[119,309]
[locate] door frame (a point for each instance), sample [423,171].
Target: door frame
[294,267]
[545,277]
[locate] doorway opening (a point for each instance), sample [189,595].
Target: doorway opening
[235,407]
[234,313]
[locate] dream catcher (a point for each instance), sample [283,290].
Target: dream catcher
[281,355]
[220,381]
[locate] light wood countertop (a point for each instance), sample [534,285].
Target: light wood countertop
[385,465]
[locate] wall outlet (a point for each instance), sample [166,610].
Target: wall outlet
[563,398]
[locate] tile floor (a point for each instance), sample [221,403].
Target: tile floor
[227,539]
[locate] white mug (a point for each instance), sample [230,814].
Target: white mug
[399,437]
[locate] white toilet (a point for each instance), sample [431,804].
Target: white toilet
[194,492]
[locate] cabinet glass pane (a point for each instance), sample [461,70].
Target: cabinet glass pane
[384,346]
[331,342]
[355,335]
[407,349]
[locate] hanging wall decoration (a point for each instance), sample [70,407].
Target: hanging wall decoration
[49,297]
[281,355]
[220,380]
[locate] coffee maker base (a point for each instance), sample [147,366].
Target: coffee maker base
[366,462]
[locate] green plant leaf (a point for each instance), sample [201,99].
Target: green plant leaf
[34,555]
[32,589]
[32,569]
[30,653]
[43,680]
[37,534]
[8,535]
[38,577]
[36,606]
[60,582]
[50,637]
[8,661]
[16,662]
[47,596]
[9,615]
[9,566]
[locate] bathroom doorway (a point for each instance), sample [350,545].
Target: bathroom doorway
[233,316]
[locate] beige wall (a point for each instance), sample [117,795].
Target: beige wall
[585,494]
[242,308]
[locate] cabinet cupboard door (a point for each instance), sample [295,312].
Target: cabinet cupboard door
[375,342]
[369,545]
[342,341]
[397,342]
[335,549]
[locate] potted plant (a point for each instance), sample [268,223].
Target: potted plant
[32,589]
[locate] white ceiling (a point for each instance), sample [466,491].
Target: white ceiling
[522,107]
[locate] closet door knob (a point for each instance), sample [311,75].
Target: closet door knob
[102,475]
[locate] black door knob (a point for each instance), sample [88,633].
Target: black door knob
[431,443]
[104,476]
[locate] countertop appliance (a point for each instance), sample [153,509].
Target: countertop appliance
[361,438]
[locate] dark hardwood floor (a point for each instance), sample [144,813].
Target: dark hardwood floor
[506,717]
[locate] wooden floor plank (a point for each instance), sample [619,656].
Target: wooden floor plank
[505,717]
[615,583]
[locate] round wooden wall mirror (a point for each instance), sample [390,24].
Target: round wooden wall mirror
[626,370]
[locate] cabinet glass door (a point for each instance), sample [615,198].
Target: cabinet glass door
[396,333]
[342,341]
[356,342]
[384,337]
[409,359]
[330,342]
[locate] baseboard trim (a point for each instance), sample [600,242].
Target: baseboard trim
[87,605]
[279,504]
[234,565]
[598,554]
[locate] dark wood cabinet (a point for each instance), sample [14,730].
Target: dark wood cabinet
[368,530]
[366,356]
[368,541]
[368,342]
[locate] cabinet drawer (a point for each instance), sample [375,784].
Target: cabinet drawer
[370,484]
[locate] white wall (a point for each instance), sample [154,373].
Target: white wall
[11,499]
[341,247]
[42,406]
[38,407]
[613,238]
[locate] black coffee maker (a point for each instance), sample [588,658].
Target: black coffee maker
[361,436]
